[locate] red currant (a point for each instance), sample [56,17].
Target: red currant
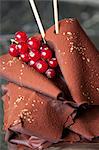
[46,54]
[33,43]
[53,62]
[25,57]
[41,66]
[20,36]
[32,63]
[50,73]
[13,51]
[34,55]
[22,48]
[44,47]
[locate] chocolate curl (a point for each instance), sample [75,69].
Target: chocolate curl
[78,60]
[87,124]
[31,113]
[18,72]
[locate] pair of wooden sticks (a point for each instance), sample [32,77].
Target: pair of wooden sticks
[41,28]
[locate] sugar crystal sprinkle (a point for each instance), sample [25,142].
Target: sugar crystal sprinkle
[69,33]
[64,33]
[22,65]
[92,102]
[83,58]
[19,88]
[21,70]
[59,50]
[34,101]
[42,102]
[20,78]
[65,62]
[3,62]
[21,73]
[89,97]
[33,105]
[3,68]
[97,89]
[88,60]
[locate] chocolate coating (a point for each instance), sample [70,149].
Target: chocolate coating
[78,59]
[18,72]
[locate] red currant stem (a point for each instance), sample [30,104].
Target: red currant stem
[13,41]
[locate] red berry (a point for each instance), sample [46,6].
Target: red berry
[44,47]
[25,57]
[50,73]
[13,51]
[46,54]
[34,55]
[20,36]
[32,63]
[53,62]
[33,43]
[22,48]
[41,66]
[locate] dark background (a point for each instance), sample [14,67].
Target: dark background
[16,15]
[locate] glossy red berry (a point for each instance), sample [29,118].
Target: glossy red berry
[41,66]
[53,63]
[20,36]
[34,55]
[44,47]
[50,73]
[25,57]
[22,48]
[32,63]
[33,43]
[13,51]
[46,54]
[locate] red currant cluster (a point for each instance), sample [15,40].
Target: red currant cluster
[35,53]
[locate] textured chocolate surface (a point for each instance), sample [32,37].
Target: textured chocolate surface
[78,60]
[16,71]
[34,113]
[87,123]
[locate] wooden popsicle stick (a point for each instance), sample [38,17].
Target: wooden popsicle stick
[37,17]
[55,6]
